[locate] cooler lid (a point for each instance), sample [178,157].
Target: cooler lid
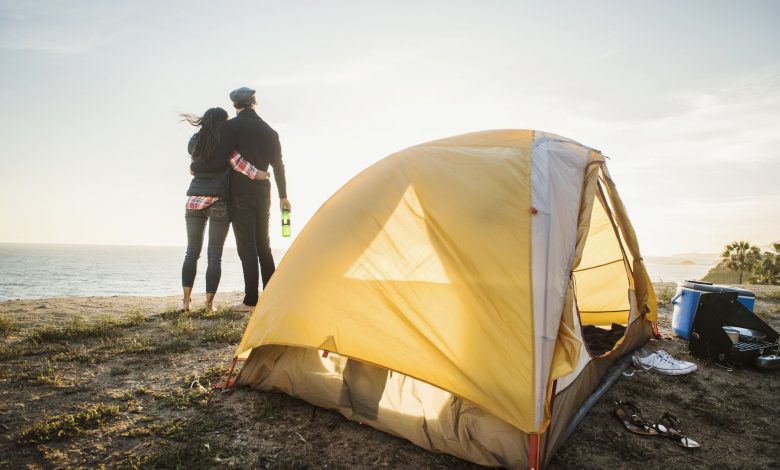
[710,287]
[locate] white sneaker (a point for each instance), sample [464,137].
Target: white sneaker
[662,363]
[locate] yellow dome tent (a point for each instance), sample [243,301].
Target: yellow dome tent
[441,296]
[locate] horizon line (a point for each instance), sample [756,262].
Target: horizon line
[273,248]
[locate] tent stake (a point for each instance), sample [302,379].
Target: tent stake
[225,384]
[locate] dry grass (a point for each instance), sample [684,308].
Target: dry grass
[664,295]
[8,326]
[79,329]
[143,398]
[50,375]
[225,331]
[770,296]
[88,416]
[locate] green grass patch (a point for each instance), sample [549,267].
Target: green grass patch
[136,345]
[769,315]
[184,398]
[664,295]
[146,430]
[50,375]
[181,327]
[221,311]
[175,346]
[78,328]
[207,377]
[173,313]
[225,331]
[9,352]
[192,445]
[134,318]
[8,326]
[27,349]
[58,427]
[773,296]
[212,373]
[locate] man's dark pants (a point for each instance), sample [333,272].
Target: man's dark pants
[250,214]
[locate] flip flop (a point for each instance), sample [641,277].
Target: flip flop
[669,426]
[632,419]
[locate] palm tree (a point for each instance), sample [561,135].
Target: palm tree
[740,256]
[767,270]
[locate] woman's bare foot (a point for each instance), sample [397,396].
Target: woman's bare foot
[185,305]
[186,299]
[209,302]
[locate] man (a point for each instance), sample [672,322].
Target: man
[250,200]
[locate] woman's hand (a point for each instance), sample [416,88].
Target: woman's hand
[262,175]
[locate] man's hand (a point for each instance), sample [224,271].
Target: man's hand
[285,203]
[262,175]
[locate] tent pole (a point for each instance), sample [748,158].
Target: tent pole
[533,451]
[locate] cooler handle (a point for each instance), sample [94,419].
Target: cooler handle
[673,301]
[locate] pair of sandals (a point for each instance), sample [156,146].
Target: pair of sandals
[668,426]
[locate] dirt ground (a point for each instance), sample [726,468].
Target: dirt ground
[129,386]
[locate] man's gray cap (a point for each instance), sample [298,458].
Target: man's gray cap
[243,95]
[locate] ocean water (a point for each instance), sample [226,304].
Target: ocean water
[661,272]
[39,271]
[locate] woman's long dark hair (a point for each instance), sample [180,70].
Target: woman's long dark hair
[208,136]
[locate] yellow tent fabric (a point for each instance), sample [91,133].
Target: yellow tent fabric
[422,265]
[430,249]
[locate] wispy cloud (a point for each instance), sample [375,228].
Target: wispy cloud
[329,74]
[738,120]
[51,47]
[53,28]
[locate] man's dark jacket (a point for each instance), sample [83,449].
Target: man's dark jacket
[257,143]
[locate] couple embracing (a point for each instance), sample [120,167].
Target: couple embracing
[231,183]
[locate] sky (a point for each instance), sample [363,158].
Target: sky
[682,96]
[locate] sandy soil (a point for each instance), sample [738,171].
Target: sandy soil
[130,387]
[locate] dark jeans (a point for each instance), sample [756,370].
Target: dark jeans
[219,221]
[250,213]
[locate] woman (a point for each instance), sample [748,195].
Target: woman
[207,201]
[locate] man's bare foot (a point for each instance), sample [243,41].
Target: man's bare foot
[242,307]
[208,309]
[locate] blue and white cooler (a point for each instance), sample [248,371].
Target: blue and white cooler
[686,299]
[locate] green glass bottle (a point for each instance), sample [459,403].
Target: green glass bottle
[285,222]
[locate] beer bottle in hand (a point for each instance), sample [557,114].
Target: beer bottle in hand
[286,222]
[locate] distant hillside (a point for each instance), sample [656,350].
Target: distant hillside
[685,258]
[721,274]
